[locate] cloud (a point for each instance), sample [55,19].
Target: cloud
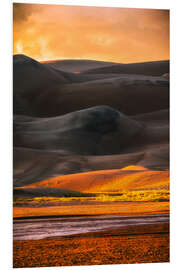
[112,34]
[21,12]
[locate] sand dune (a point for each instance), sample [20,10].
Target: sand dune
[50,164]
[77,65]
[112,141]
[30,78]
[107,117]
[130,97]
[107,131]
[154,118]
[155,68]
[44,191]
[31,165]
[44,91]
[108,180]
[58,163]
[98,125]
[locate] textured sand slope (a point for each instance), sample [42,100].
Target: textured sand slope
[148,148]
[155,68]
[32,165]
[71,65]
[83,132]
[109,180]
[67,123]
[45,191]
[44,91]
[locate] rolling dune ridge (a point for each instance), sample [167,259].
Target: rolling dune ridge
[91,152]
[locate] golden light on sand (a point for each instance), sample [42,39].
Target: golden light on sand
[134,168]
[124,35]
[106,180]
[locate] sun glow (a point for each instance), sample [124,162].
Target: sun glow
[19,47]
[48,32]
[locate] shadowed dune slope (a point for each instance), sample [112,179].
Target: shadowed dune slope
[154,118]
[44,91]
[84,132]
[32,165]
[136,98]
[77,65]
[30,78]
[155,68]
[131,97]
[109,180]
[78,131]
[45,191]
[88,140]
[106,131]
[29,73]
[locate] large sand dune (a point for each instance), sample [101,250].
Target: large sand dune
[109,181]
[107,117]
[45,191]
[155,68]
[78,65]
[32,165]
[88,140]
[83,132]
[44,91]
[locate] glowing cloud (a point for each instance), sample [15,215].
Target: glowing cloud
[111,34]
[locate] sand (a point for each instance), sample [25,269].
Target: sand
[91,208]
[146,245]
[91,126]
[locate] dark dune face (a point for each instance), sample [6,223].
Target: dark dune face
[29,73]
[30,78]
[132,98]
[155,68]
[44,91]
[77,65]
[31,166]
[68,123]
[82,132]
[135,98]
[143,149]
[44,191]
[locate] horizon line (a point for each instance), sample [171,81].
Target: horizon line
[89,59]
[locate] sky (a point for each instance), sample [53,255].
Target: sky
[122,35]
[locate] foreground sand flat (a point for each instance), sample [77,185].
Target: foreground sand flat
[109,208]
[141,245]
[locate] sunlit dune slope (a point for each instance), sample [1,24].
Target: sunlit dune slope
[109,180]
[133,168]
[56,163]
[97,138]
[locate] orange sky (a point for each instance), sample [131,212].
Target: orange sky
[47,32]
